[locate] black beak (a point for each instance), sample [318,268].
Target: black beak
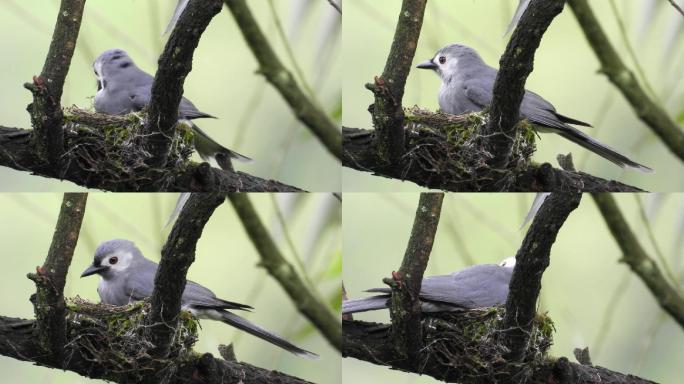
[427,65]
[91,270]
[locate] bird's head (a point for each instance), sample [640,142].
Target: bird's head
[109,63]
[449,60]
[112,257]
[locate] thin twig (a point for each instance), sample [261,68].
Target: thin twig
[337,7]
[677,7]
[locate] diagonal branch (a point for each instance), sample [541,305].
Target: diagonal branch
[307,301]
[670,298]
[405,310]
[50,279]
[648,110]
[46,111]
[306,110]
[514,67]
[532,259]
[174,65]
[177,255]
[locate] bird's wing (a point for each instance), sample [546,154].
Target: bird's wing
[539,111]
[478,93]
[187,110]
[200,297]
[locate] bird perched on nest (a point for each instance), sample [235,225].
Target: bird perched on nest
[477,286]
[128,276]
[123,88]
[467,86]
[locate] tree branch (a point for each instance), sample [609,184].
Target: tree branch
[532,259]
[669,297]
[17,152]
[177,255]
[426,164]
[48,302]
[405,310]
[46,111]
[307,301]
[514,67]
[174,65]
[648,111]
[306,110]
[387,112]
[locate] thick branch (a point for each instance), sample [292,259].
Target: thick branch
[373,343]
[17,152]
[307,301]
[306,110]
[387,112]
[514,67]
[17,341]
[532,259]
[648,110]
[177,255]
[405,310]
[174,65]
[418,166]
[46,111]
[50,279]
[670,298]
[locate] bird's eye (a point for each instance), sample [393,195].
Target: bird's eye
[442,59]
[113,260]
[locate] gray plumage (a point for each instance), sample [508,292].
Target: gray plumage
[467,86]
[128,276]
[123,88]
[477,286]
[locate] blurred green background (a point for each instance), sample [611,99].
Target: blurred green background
[252,117]
[593,299]
[565,73]
[226,262]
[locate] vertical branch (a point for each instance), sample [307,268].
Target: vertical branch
[48,301]
[46,111]
[652,114]
[387,112]
[176,256]
[515,66]
[405,310]
[318,122]
[532,259]
[669,297]
[174,65]
[307,301]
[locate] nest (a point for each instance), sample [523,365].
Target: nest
[468,341]
[113,339]
[110,149]
[452,147]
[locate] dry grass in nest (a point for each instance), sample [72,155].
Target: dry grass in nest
[111,148]
[469,341]
[451,147]
[113,339]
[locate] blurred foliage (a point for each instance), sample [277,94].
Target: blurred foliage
[582,290]
[253,118]
[565,73]
[226,262]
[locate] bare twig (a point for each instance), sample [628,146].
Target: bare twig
[307,300]
[337,7]
[177,255]
[676,6]
[50,279]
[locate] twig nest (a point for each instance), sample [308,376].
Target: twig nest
[469,341]
[452,146]
[110,149]
[113,339]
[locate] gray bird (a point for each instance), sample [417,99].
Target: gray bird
[477,286]
[467,86]
[128,276]
[123,88]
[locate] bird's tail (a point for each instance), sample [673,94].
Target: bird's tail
[253,329]
[372,303]
[600,149]
[208,148]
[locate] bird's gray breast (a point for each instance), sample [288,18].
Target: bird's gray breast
[453,98]
[112,291]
